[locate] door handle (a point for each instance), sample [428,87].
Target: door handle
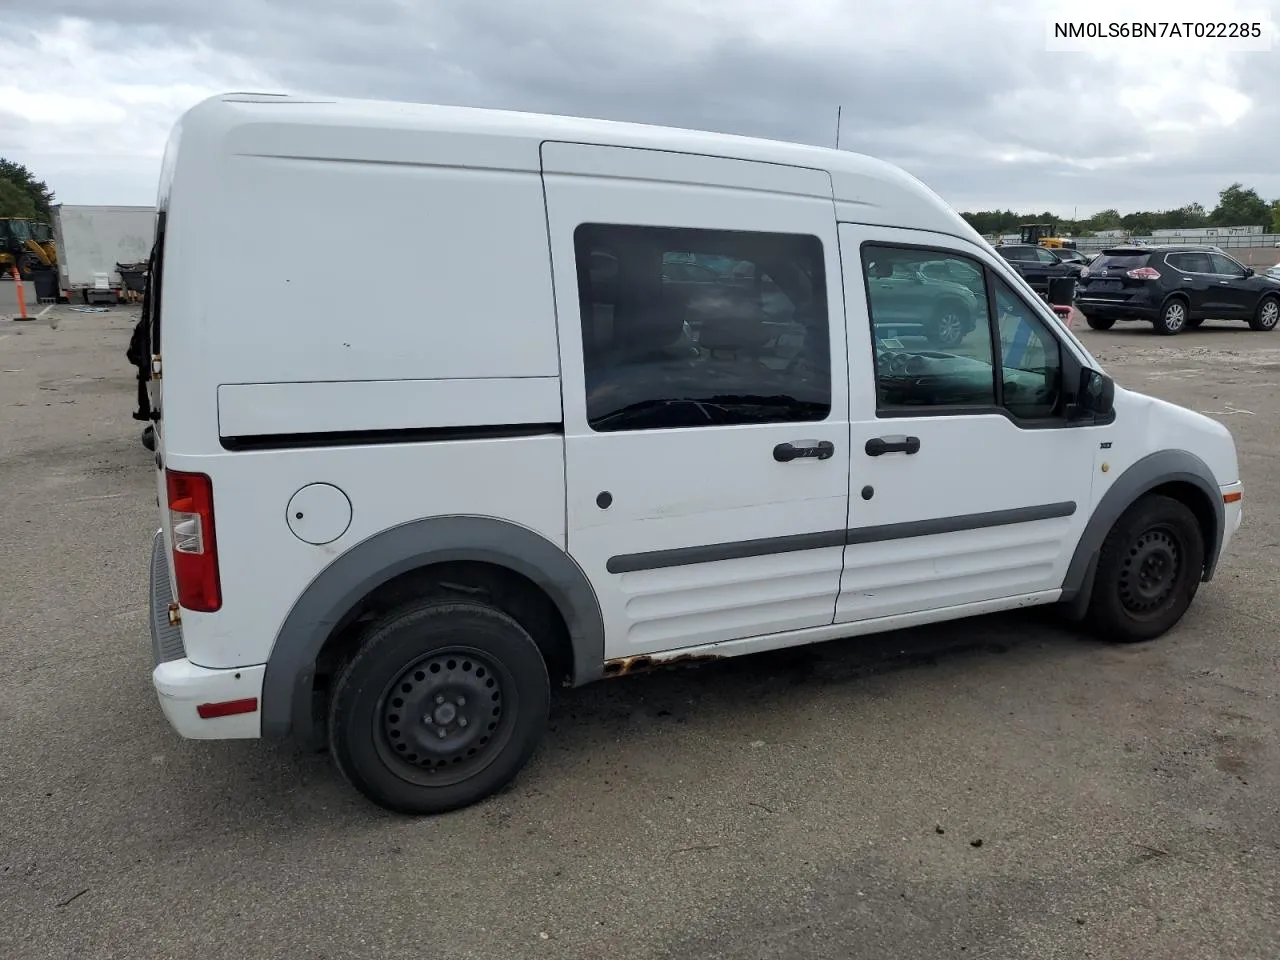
[804,450]
[878,446]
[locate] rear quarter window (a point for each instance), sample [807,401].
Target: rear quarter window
[1190,262]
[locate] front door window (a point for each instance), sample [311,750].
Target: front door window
[935,341]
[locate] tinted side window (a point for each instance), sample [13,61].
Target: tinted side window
[932,337]
[1044,256]
[1226,266]
[698,328]
[1191,262]
[1030,358]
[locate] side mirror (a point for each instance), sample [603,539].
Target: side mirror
[1096,394]
[1248,271]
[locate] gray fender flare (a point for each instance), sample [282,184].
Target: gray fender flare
[290,673]
[1154,470]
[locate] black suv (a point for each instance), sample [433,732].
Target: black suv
[1067,255]
[1175,287]
[1038,265]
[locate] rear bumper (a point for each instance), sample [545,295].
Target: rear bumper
[182,686]
[1116,310]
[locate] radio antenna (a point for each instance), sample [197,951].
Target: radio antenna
[839,109]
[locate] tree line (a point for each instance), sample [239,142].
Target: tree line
[22,195]
[1238,206]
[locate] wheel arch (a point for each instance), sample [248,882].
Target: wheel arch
[1175,473]
[327,602]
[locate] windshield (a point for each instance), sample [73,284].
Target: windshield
[20,229]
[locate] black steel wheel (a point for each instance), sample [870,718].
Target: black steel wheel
[443,719]
[1148,571]
[441,706]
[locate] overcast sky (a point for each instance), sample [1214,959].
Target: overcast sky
[963,93]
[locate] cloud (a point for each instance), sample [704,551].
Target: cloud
[966,96]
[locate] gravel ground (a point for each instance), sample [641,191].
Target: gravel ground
[994,788]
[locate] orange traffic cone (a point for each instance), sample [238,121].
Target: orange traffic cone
[20,291]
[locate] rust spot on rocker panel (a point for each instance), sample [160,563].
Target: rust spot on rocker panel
[620,666]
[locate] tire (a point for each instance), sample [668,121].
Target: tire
[950,325]
[1194,322]
[1096,322]
[482,679]
[1173,317]
[1268,312]
[1148,571]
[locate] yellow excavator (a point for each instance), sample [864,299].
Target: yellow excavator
[26,244]
[1044,235]
[42,234]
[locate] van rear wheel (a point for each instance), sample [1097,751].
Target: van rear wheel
[441,706]
[1148,571]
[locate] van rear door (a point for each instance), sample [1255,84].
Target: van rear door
[154,298]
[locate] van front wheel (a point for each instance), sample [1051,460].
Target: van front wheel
[1148,571]
[442,705]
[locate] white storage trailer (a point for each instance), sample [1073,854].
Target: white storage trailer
[92,240]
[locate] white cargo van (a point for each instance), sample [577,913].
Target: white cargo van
[632,396]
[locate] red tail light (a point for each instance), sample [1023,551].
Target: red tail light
[1144,273]
[195,550]
[226,708]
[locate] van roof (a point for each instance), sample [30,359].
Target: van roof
[278,125]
